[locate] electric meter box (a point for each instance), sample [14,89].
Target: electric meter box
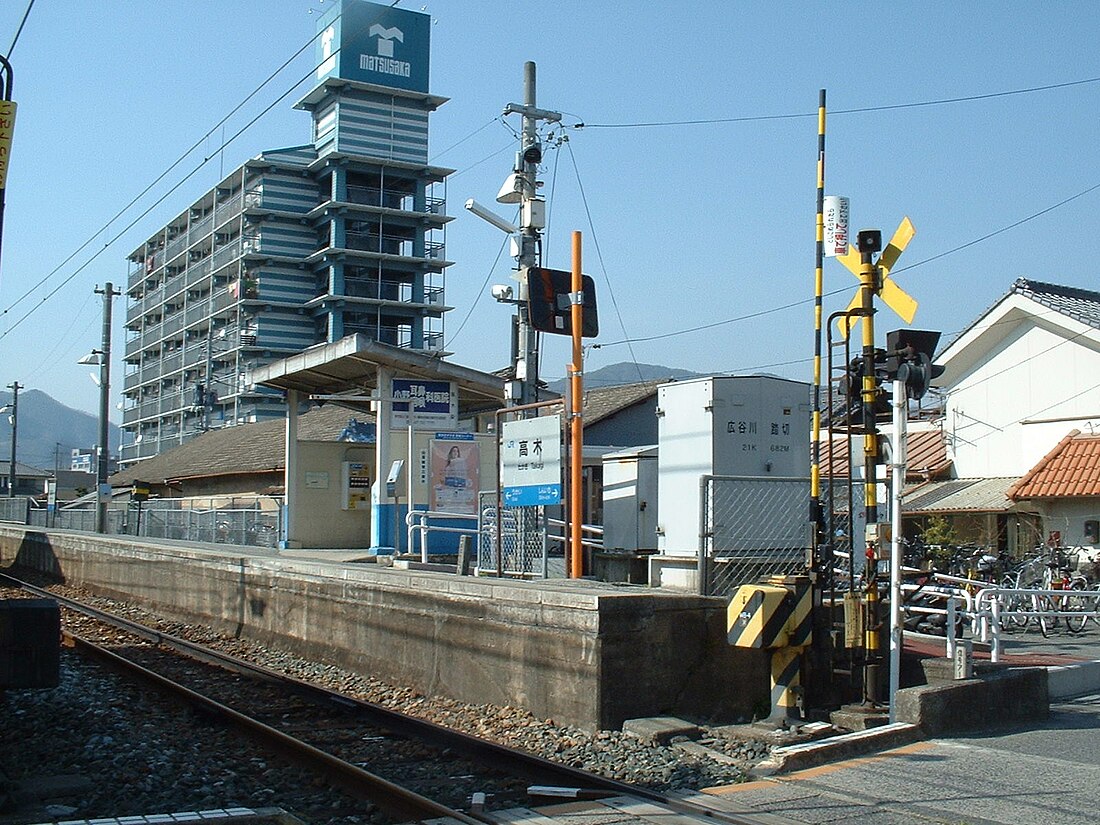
[752,425]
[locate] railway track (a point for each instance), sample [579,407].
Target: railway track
[410,768]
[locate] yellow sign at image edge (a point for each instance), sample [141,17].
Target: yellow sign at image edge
[7,128]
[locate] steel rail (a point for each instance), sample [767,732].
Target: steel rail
[395,800]
[505,759]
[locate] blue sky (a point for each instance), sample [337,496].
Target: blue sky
[684,225]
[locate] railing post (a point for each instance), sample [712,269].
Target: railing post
[951,610]
[984,614]
[995,648]
[704,522]
[464,555]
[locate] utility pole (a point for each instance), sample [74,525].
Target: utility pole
[108,292]
[525,353]
[15,387]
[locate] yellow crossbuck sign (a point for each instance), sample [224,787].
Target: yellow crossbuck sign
[893,295]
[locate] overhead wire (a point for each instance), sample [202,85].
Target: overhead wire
[19,31]
[1000,231]
[479,295]
[599,256]
[170,191]
[859,110]
[187,153]
[458,143]
[895,271]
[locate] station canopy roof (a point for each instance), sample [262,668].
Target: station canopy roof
[349,367]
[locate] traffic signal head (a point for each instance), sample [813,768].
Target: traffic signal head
[910,353]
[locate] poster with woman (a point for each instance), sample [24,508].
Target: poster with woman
[455,476]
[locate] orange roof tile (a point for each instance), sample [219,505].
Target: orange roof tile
[1071,469]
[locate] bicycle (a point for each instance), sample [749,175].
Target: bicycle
[1049,606]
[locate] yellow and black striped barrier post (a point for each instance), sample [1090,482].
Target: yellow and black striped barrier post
[775,615]
[872,629]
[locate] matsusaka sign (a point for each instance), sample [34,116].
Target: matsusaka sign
[375,44]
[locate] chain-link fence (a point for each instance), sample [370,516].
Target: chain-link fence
[252,526]
[14,509]
[754,527]
[751,527]
[256,528]
[521,549]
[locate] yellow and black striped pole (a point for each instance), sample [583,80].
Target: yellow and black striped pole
[868,278]
[818,681]
[816,515]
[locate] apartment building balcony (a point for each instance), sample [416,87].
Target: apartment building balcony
[151,335]
[387,202]
[173,290]
[136,452]
[172,323]
[171,363]
[392,248]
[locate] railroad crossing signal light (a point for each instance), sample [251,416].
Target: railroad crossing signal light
[893,295]
[851,386]
[549,306]
[910,359]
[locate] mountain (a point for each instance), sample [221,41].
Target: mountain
[626,372]
[47,427]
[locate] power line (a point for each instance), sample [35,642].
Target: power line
[860,110]
[19,31]
[599,255]
[455,145]
[480,294]
[165,174]
[996,232]
[952,251]
[164,197]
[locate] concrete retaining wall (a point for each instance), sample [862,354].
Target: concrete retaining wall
[1000,697]
[574,652]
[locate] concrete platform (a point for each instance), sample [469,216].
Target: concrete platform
[578,652]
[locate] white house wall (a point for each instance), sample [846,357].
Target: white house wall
[999,414]
[1068,517]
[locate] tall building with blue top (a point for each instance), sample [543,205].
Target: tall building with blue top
[297,246]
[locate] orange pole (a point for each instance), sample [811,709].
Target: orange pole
[576,422]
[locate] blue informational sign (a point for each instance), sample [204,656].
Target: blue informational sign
[430,405]
[454,436]
[536,495]
[374,44]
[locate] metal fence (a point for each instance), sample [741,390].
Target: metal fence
[248,526]
[522,548]
[751,527]
[14,509]
[257,528]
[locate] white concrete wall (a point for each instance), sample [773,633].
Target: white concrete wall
[1034,374]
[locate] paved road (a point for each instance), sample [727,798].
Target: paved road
[1048,775]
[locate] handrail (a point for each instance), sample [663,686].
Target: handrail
[988,618]
[418,520]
